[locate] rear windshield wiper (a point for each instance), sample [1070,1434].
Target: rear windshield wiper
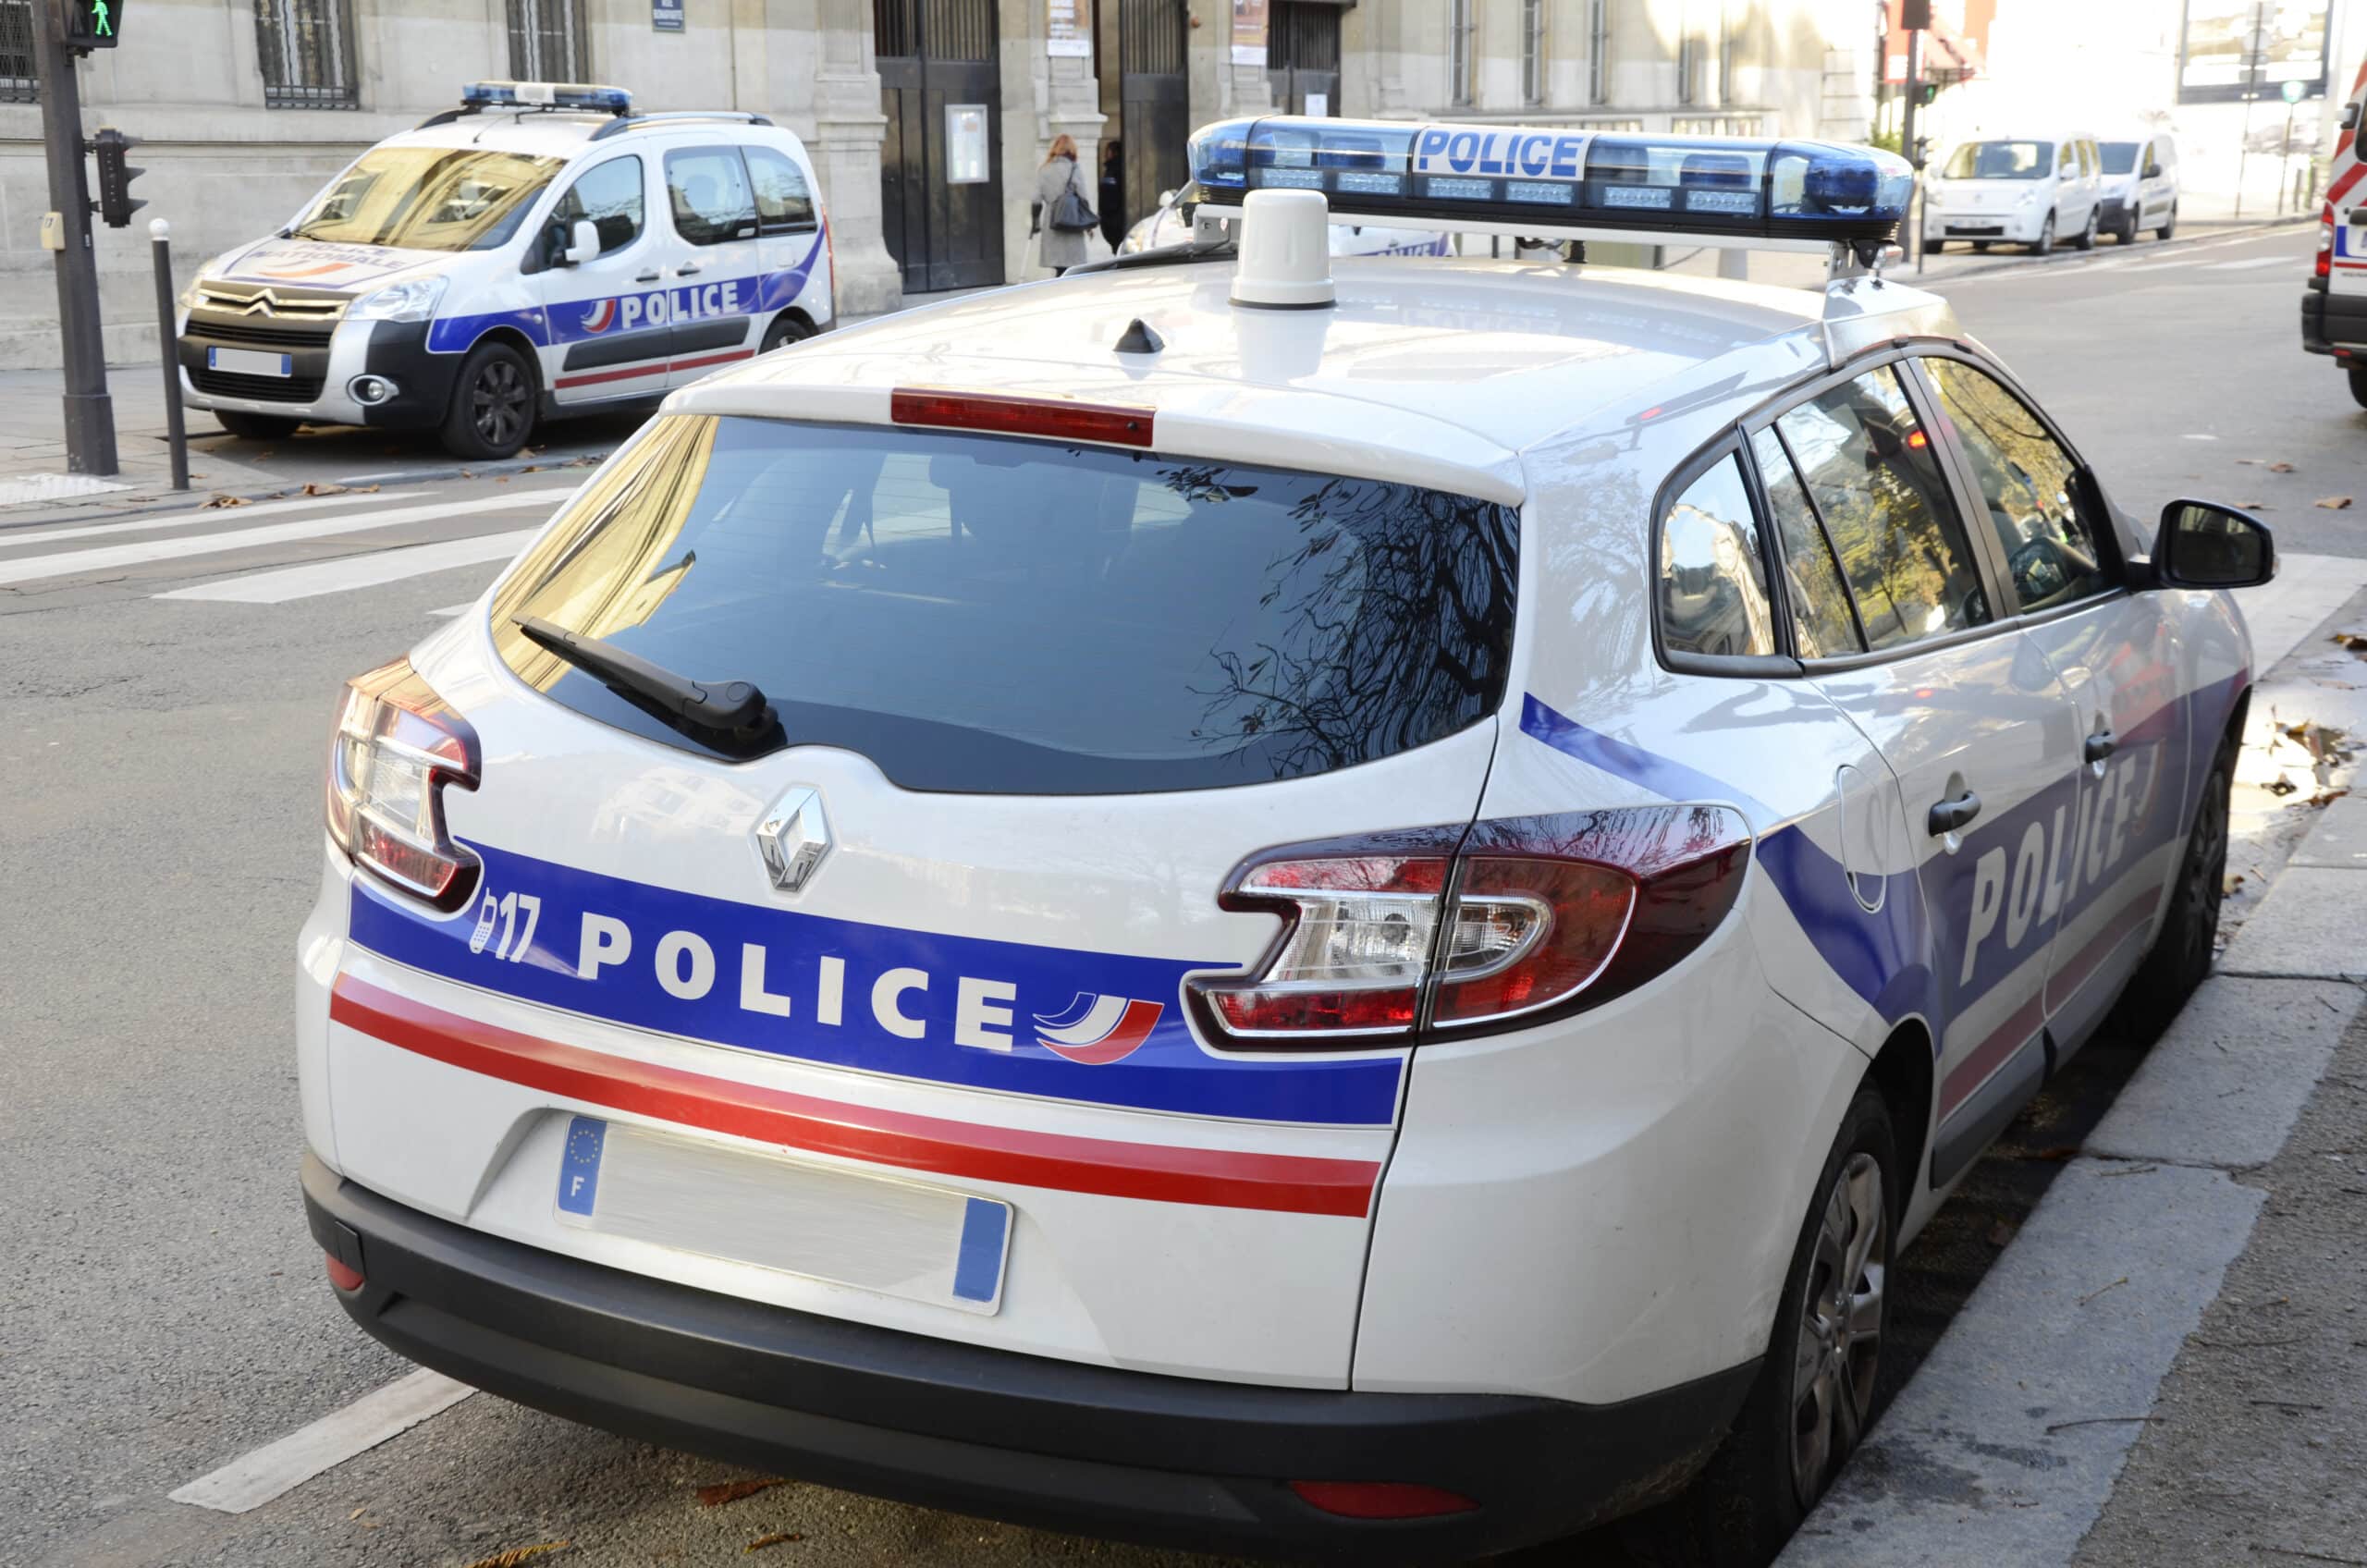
[732,706]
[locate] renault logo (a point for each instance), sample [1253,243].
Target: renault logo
[793,837]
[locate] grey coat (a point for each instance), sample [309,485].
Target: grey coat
[1059,249]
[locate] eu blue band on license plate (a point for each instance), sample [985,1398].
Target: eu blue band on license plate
[878,1233]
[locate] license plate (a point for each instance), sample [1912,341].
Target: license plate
[249,362]
[898,1238]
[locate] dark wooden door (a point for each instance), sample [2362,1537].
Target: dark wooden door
[1154,107]
[938,84]
[1303,55]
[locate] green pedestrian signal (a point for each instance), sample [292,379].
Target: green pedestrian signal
[91,24]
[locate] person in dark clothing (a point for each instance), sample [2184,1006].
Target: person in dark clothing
[1113,194]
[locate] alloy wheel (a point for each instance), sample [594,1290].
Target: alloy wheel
[499,403]
[1841,1327]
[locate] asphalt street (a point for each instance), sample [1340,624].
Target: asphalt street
[165,692]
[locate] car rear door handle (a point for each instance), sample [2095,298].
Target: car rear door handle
[2101,745]
[1951,817]
[652,276]
[688,269]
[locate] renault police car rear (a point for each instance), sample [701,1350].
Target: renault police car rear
[1324,907]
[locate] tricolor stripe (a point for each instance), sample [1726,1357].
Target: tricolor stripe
[1108,1168]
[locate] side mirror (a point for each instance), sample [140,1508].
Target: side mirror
[583,243]
[2350,117]
[2204,545]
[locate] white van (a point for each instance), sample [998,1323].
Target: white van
[2028,190]
[2334,312]
[540,250]
[2141,187]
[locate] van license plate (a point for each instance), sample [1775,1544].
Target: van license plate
[898,1238]
[249,362]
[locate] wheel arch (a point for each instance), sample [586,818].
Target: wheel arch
[807,326]
[1905,1074]
[528,349]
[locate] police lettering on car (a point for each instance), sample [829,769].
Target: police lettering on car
[1272,900]
[513,259]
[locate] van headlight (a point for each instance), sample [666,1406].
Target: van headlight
[413,300]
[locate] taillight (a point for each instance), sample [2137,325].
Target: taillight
[830,249]
[1437,931]
[395,747]
[1006,415]
[2325,242]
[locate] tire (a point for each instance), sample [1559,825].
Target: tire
[785,330]
[2127,233]
[1767,1474]
[2045,244]
[1981,247]
[2182,950]
[2086,238]
[256,427]
[1935,247]
[492,404]
[2168,223]
[2359,385]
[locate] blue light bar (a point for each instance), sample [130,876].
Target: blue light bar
[547,95]
[1559,177]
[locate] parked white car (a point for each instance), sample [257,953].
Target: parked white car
[2028,190]
[1169,225]
[2141,188]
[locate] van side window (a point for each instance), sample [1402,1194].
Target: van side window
[610,196]
[1822,627]
[1713,576]
[784,205]
[708,188]
[1870,469]
[2030,484]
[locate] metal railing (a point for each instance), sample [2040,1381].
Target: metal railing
[19,75]
[306,50]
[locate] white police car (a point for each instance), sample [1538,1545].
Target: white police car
[1312,906]
[540,250]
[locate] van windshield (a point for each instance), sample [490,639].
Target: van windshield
[429,199]
[2000,160]
[982,614]
[2119,157]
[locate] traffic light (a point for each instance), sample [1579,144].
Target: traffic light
[91,24]
[116,203]
[1927,94]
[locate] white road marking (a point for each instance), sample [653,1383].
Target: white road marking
[196,515]
[25,490]
[2244,263]
[2307,589]
[349,572]
[253,1479]
[2199,439]
[25,569]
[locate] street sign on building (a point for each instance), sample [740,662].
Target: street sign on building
[665,15]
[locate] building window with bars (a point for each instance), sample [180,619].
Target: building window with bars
[20,77]
[548,41]
[306,50]
[1462,57]
[1532,52]
[1598,51]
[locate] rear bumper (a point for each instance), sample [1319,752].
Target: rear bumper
[2333,321]
[1094,1450]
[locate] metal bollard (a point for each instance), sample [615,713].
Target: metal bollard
[160,241]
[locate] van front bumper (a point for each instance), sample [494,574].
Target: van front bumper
[1098,1451]
[317,389]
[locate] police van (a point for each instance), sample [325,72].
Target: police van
[1316,906]
[541,250]
[2334,311]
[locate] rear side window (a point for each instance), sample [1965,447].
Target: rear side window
[992,615]
[610,196]
[708,188]
[784,204]
[1870,469]
[2029,485]
[1823,626]
[1713,579]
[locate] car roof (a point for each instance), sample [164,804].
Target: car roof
[543,134]
[1461,362]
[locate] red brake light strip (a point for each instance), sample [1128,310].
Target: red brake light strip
[1110,424]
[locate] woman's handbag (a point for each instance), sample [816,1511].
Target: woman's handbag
[1072,213]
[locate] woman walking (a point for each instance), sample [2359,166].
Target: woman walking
[1063,248]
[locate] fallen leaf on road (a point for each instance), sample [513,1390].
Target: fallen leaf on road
[225,501]
[776,1539]
[359,1512]
[518,1554]
[2355,641]
[323,490]
[2280,468]
[2254,506]
[722,1492]
[2334,503]
[2326,797]
[2100,1289]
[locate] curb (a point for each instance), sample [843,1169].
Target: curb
[2065,257]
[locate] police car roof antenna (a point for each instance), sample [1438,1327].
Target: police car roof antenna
[1285,251]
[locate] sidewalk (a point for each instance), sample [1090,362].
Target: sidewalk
[2168,1365]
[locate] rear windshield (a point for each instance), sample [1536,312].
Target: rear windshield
[2001,159]
[994,615]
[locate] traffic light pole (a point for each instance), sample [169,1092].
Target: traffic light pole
[1914,235]
[90,412]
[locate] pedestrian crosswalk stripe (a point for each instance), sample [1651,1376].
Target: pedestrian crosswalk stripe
[349,572]
[27,568]
[193,516]
[2247,263]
